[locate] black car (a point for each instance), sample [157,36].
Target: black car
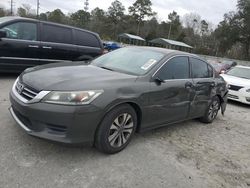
[130,89]
[28,42]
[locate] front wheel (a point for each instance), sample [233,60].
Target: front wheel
[116,130]
[212,111]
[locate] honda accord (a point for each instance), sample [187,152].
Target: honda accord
[129,90]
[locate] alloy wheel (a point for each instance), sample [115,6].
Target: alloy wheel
[121,130]
[213,109]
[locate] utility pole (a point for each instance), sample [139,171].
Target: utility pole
[37,8]
[86,7]
[11,7]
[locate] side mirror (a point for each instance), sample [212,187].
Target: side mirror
[158,80]
[3,34]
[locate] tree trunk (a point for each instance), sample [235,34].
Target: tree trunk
[138,28]
[247,50]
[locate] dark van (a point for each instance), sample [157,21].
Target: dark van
[28,42]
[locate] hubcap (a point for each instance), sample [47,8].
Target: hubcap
[213,110]
[120,130]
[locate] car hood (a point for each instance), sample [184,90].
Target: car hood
[63,77]
[243,82]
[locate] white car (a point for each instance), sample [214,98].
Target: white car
[238,80]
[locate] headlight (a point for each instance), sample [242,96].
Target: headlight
[72,98]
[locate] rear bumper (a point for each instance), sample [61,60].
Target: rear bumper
[66,124]
[240,96]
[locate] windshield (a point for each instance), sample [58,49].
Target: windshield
[133,61]
[240,72]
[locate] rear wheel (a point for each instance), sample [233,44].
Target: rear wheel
[116,130]
[212,111]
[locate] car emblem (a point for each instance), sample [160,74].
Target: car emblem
[19,87]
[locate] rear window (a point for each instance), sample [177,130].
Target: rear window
[86,39]
[56,34]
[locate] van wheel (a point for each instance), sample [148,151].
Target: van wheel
[116,130]
[212,111]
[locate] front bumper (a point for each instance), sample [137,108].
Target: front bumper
[240,96]
[61,123]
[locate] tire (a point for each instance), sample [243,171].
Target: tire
[116,129]
[212,111]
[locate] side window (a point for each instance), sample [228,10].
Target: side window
[86,39]
[21,30]
[199,68]
[176,68]
[56,34]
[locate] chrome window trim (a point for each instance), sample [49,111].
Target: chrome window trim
[36,99]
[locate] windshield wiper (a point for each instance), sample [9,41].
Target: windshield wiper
[107,68]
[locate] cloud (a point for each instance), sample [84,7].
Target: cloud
[212,10]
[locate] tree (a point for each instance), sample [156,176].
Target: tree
[140,10]
[116,14]
[243,22]
[98,18]
[174,25]
[2,12]
[57,16]
[80,18]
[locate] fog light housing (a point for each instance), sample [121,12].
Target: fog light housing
[248,99]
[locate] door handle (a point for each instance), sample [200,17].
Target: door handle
[33,46]
[189,85]
[47,47]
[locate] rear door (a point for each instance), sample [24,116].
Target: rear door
[20,48]
[56,43]
[204,85]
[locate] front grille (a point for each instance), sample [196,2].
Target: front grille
[235,88]
[25,91]
[233,96]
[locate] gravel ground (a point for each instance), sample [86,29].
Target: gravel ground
[188,154]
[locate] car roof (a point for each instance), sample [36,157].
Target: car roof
[11,18]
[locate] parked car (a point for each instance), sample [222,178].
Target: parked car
[219,67]
[127,90]
[238,79]
[230,63]
[110,46]
[28,42]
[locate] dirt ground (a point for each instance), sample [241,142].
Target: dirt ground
[188,154]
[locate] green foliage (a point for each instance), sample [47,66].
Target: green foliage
[80,18]
[57,16]
[140,10]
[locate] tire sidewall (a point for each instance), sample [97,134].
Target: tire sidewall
[102,142]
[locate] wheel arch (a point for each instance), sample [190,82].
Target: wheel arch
[131,103]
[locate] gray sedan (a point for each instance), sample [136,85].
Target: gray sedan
[105,102]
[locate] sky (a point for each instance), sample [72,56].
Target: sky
[210,10]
